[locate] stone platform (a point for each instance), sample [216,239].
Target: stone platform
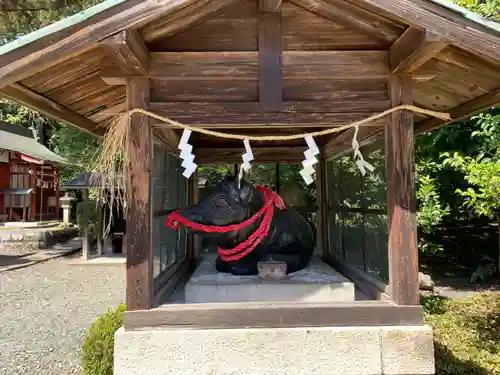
[391,350]
[318,282]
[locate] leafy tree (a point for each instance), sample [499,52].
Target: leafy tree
[481,171]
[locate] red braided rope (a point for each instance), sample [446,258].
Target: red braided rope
[267,211]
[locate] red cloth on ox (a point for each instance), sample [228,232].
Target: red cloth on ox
[272,200]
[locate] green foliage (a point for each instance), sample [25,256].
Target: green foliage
[22,17]
[484,176]
[466,333]
[93,215]
[79,148]
[481,171]
[487,8]
[98,344]
[431,211]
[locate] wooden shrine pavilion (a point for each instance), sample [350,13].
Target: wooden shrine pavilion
[255,68]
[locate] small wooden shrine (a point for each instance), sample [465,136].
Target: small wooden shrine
[255,69]
[29,176]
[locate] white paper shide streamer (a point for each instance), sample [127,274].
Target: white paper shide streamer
[362,164]
[247,157]
[308,170]
[187,155]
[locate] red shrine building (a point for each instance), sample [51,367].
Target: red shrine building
[29,176]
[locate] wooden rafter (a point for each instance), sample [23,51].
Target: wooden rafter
[58,46]
[413,49]
[352,17]
[128,51]
[269,5]
[270,61]
[445,23]
[23,95]
[462,111]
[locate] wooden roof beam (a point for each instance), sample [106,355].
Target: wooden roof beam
[128,51]
[413,49]
[59,46]
[21,94]
[442,22]
[462,112]
[269,5]
[350,16]
[262,154]
[244,115]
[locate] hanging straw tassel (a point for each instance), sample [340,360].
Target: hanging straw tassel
[112,161]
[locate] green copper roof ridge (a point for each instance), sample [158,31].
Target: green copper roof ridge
[59,25]
[472,16]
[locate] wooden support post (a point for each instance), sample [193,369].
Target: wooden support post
[401,200]
[85,229]
[57,188]
[139,295]
[99,229]
[270,52]
[321,208]
[33,194]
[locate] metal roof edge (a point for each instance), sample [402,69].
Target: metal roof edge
[59,25]
[472,16]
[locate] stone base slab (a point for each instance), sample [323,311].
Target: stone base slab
[394,350]
[318,282]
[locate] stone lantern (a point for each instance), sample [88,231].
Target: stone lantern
[66,206]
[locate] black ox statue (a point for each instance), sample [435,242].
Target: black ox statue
[248,224]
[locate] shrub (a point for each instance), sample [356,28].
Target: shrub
[98,344]
[466,334]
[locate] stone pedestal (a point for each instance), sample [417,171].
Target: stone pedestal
[318,282]
[392,350]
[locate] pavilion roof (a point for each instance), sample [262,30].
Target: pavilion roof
[57,70]
[18,139]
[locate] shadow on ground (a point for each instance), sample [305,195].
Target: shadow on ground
[10,260]
[448,364]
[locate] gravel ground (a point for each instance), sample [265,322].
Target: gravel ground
[45,311]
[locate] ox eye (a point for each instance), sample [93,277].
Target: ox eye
[220,202]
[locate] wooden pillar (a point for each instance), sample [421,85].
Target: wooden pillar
[85,229]
[33,194]
[57,188]
[139,294]
[401,199]
[99,229]
[321,209]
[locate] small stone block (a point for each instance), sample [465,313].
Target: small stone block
[408,350]
[271,270]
